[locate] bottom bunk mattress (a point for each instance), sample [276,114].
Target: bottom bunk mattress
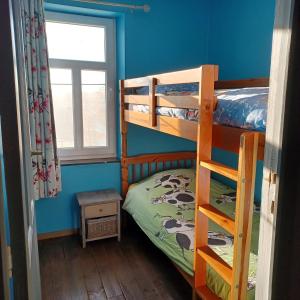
[163,206]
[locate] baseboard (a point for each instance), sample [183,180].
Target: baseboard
[57,234]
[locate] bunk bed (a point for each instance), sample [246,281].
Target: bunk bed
[182,104]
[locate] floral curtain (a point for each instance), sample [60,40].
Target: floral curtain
[46,169]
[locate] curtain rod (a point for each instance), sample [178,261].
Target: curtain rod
[145,7]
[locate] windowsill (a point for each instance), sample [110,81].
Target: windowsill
[88,161]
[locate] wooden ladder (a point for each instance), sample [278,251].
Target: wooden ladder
[240,227]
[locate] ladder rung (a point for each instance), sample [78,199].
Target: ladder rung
[216,262]
[218,217]
[220,169]
[206,294]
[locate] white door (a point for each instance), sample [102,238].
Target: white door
[275,119]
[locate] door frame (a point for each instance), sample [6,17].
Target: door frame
[286,269]
[33,267]
[279,77]
[13,151]
[4,259]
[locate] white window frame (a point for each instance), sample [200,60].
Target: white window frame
[109,66]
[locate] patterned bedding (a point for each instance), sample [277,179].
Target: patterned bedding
[243,108]
[163,206]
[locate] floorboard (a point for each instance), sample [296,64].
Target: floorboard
[133,269]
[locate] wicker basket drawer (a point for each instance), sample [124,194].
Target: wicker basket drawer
[101,210]
[102,227]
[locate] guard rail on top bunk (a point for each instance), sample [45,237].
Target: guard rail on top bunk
[224,137]
[204,75]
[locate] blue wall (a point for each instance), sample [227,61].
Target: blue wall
[154,42]
[240,41]
[62,212]
[160,41]
[240,38]
[175,34]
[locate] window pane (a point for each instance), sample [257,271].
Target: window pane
[93,77]
[94,110]
[60,76]
[63,107]
[75,42]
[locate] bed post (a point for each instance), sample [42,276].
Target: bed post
[208,76]
[124,166]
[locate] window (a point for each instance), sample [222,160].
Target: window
[82,75]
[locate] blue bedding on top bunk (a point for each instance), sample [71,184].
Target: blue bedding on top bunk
[243,108]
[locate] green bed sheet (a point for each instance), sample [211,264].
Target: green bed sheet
[163,206]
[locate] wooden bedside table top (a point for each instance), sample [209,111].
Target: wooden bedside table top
[96,197]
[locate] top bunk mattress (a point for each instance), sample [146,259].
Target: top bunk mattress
[242,108]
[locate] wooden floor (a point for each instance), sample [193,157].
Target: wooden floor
[131,269]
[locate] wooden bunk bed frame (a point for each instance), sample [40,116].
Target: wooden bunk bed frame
[248,144]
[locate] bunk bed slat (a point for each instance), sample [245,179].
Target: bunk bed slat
[137,99]
[193,163]
[220,169]
[142,170]
[216,262]
[185,76]
[178,101]
[152,103]
[164,157]
[173,126]
[133,173]
[136,82]
[156,167]
[218,217]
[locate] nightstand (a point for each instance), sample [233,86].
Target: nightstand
[100,215]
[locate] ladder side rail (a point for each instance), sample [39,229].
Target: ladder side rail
[208,75]
[251,150]
[243,214]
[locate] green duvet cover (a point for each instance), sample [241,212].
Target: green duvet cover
[163,206]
